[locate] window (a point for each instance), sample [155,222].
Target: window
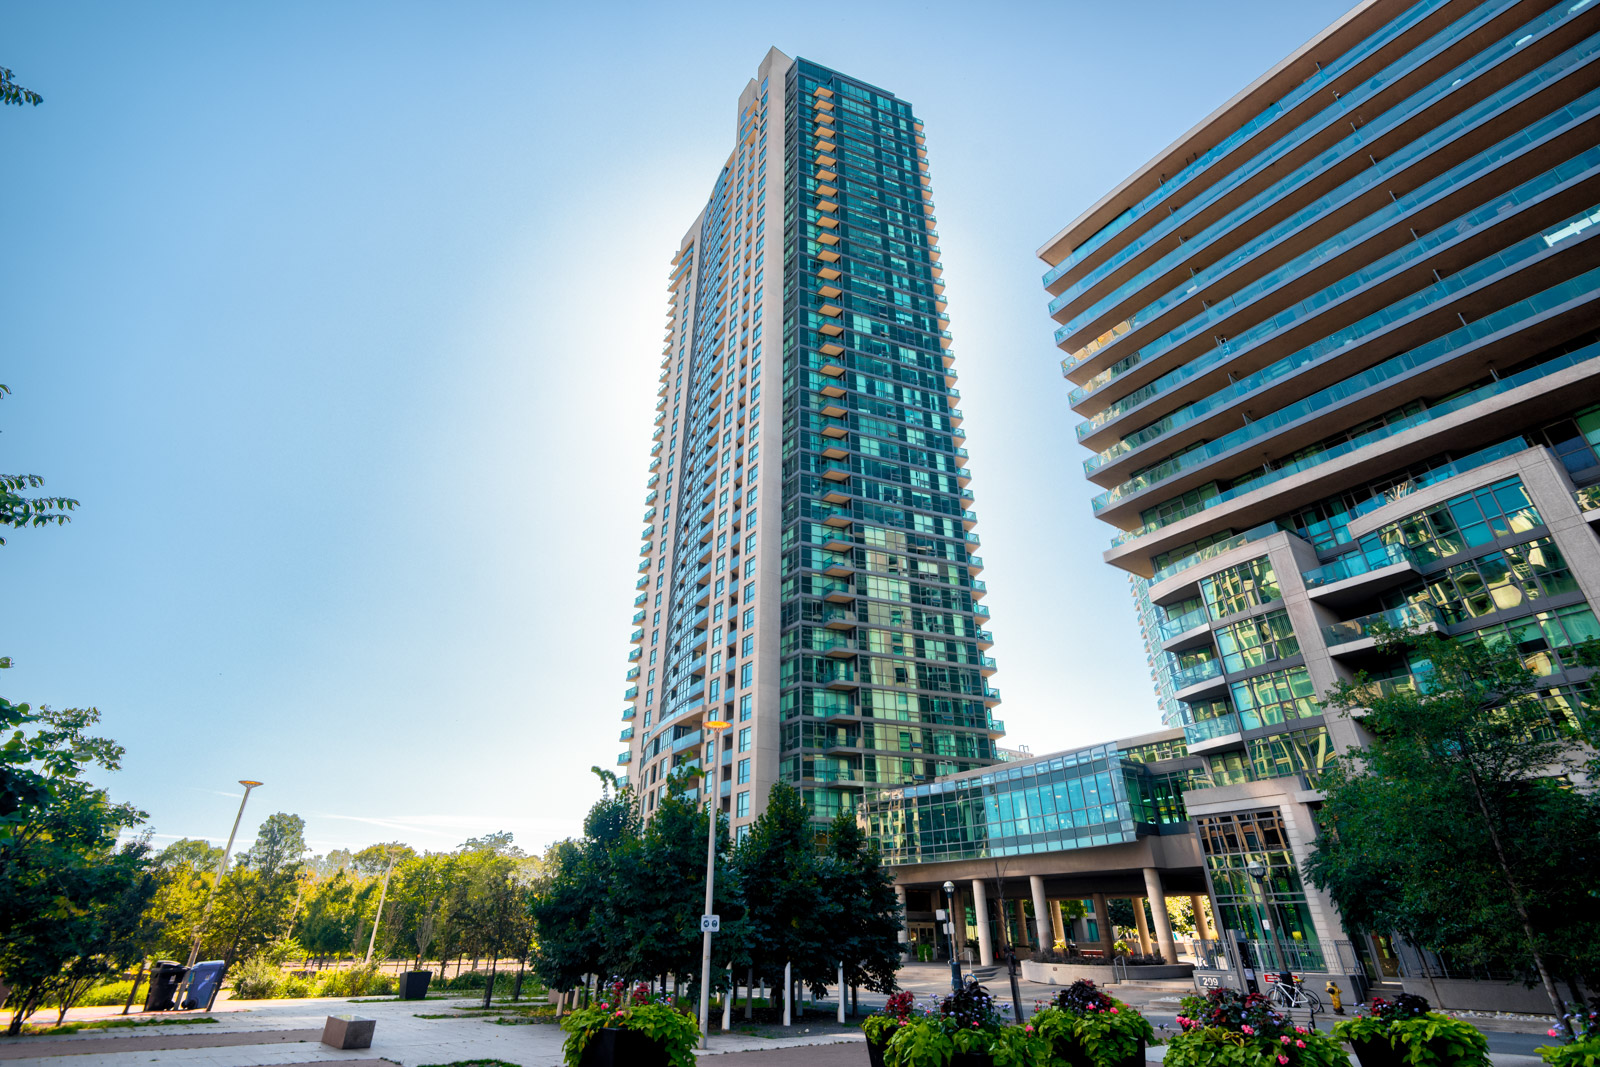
[744,771]
[1240,588]
[744,708]
[1501,580]
[741,805]
[1273,698]
[745,674]
[1257,641]
[1465,521]
[744,739]
[746,647]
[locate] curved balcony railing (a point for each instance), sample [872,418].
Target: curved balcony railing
[1354,142]
[1291,100]
[1567,172]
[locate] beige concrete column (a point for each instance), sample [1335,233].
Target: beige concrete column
[904,936]
[980,909]
[1056,926]
[1158,911]
[1041,912]
[1102,920]
[1202,929]
[1140,923]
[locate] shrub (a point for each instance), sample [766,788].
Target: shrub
[880,1027]
[1423,1038]
[656,1017]
[1086,1025]
[1226,1028]
[256,979]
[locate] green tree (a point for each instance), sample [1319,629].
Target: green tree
[72,900]
[18,510]
[576,912]
[662,882]
[12,93]
[256,897]
[424,887]
[864,918]
[777,879]
[1458,826]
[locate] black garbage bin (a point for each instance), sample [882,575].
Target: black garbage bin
[414,985]
[165,977]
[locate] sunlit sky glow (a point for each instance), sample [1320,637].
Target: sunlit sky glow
[342,321]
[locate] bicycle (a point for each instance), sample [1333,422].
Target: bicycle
[1290,995]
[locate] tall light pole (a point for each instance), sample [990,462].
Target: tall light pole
[382,893]
[950,932]
[714,727]
[222,868]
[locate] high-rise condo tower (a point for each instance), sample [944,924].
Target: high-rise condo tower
[1336,356]
[806,570]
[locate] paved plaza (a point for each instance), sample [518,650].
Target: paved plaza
[283,1033]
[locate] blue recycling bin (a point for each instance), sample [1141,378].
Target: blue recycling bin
[202,985]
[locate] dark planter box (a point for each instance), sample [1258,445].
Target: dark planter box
[971,1059]
[624,1048]
[1077,1056]
[875,1053]
[1377,1052]
[414,984]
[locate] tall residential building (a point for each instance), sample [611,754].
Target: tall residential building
[1336,357]
[807,568]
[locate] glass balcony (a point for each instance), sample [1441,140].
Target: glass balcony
[639,600]
[633,672]
[632,692]
[1291,100]
[1411,616]
[1568,172]
[634,653]
[1167,629]
[1325,398]
[636,637]
[997,726]
[638,617]
[1200,672]
[1580,286]
[627,757]
[1350,144]
[628,712]
[627,734]
[1196,733]
[1363,562]
[688,740]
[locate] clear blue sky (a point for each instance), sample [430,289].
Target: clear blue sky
[342,322]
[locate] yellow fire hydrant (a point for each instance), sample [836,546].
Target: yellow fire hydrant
[1335,996]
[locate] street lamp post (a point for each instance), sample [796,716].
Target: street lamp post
[382,895]
[222,868]
[715,728]
[1258,871]
[950,931]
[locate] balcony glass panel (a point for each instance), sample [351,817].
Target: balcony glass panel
[1370,558]
[1411,615]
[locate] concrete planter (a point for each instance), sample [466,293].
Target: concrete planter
[1101,974]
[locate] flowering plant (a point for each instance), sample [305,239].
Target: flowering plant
[1420,1037]
[1226,1028]
[654,1015]
[967,1021]
[1087,1027]
[881,1026]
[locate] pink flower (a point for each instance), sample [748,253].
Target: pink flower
[1246,1028]
[1300,1044]
[1028,1029]
[1113,1010]
[1283,1059]
[1299,1029]
[1284,1039]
